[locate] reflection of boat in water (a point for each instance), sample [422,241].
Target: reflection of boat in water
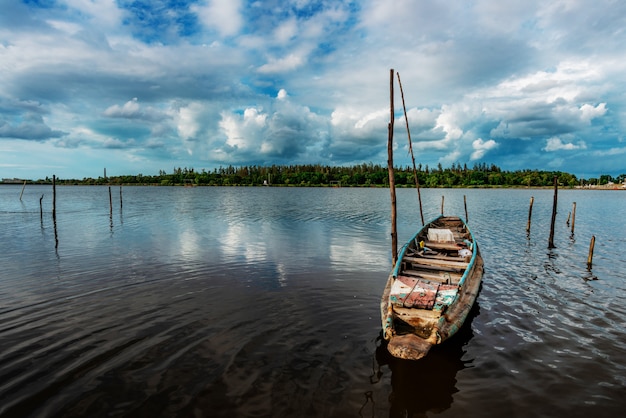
[428,384]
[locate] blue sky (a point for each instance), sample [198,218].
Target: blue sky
[139,86]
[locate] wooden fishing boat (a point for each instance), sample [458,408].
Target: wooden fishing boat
[432,287]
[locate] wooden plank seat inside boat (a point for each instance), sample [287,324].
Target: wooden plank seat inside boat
[412,292]
[437,267]
[440,256]
[437,262]
[443,277]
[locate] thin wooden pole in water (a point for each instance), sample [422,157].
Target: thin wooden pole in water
[41,208]
[465,205]
[121,204]
[408,131]
[573,216]
[442,198]
[590,256]
[54,211]
[110,202]
[23,187]
[54,197]
[554,204]
[392,180]
[530,214]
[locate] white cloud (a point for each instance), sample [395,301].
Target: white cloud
[85,137]
[568,81]
[481,148]
[286,31]
[610,152]
[349,123]
[556,144]
[289,62]
[453,157]
[371,118]
[101,12]
[70,28]
[133,110]
[446,121]
[287,131]
[243,131]
[422,118]
[589,112]
[502,17]
[188,124]
[222,15]
[129,110]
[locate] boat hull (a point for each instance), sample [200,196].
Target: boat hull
[411,324]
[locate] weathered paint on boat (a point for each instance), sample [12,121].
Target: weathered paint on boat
[428,296]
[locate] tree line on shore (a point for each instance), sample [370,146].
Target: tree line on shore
[362,175]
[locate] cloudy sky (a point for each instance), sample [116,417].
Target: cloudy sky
[139,86]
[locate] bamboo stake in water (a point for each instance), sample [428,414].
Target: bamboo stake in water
[392,179]
[442,197]
[530,213]
[590,256]
[54,211]
[554,204]
[110,202]
[573,216]
[54,197]
[23,187]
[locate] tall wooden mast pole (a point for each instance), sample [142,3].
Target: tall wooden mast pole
[408,131]
[392,179]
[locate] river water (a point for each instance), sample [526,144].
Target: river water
[236,302]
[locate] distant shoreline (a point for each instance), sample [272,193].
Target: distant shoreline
[326,186]
[481,175]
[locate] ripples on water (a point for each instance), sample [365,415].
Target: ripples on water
[264,302]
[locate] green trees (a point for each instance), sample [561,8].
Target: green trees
[362,175]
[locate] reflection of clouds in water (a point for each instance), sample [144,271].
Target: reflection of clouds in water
[282,274]
[259,245]
[256,245]
[344,252]
[231,240]
[189,244]
[255,252]
[237,241]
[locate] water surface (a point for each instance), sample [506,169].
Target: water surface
[265,302]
